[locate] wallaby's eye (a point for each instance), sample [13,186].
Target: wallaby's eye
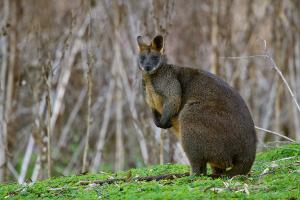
[155,59]
[142,58]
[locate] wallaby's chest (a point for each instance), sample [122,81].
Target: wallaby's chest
[153,98]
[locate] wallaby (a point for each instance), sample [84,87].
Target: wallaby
[209,117]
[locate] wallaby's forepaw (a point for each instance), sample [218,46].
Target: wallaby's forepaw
[164,126]
[158,123]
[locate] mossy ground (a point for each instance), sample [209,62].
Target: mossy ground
[275,175]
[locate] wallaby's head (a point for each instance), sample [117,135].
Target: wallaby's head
[151,56]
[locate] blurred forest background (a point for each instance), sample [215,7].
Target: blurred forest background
[70,95]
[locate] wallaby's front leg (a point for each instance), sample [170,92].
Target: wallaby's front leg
[170,109]
[157,120]
[166,115]
[172,100]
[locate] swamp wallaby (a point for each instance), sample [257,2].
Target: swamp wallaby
[209,117]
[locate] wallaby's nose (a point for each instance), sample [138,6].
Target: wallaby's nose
[147,68]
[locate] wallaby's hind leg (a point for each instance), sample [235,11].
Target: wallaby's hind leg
[193,140]
[194,154]
[240,167]
[193,151]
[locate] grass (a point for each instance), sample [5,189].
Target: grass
[275,175]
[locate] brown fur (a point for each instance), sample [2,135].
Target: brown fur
[209,117]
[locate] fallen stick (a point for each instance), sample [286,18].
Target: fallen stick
[144,178]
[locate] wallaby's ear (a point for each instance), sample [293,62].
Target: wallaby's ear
[141,43]
[158,43]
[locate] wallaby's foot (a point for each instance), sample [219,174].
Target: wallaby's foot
[198,169]
[217,170]
[239,168]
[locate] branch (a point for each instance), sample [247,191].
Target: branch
[144,178]
[26,159]
[275,67]
[275,133]
[88,117]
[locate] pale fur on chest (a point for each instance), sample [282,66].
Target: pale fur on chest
[153,99]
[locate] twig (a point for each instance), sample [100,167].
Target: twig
[275,133]
[3,124]
[161,149]
[64,79]
[179,155]
[63,137]
[269,108]
[144,178]
[103,130]
[161,177]
[36,169]
[286,158]
[120,151]
[47,80]
[38,134]
[9,65]
[120,160]
[67,62]
[293,80]
[267,56]
[13,170]
[74,158]
[277,70]
[26,160]
[285,82]
[88,120]
[244,57]
[131,95]
[214,37]
[89,83]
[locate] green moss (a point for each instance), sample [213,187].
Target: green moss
[275,175]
